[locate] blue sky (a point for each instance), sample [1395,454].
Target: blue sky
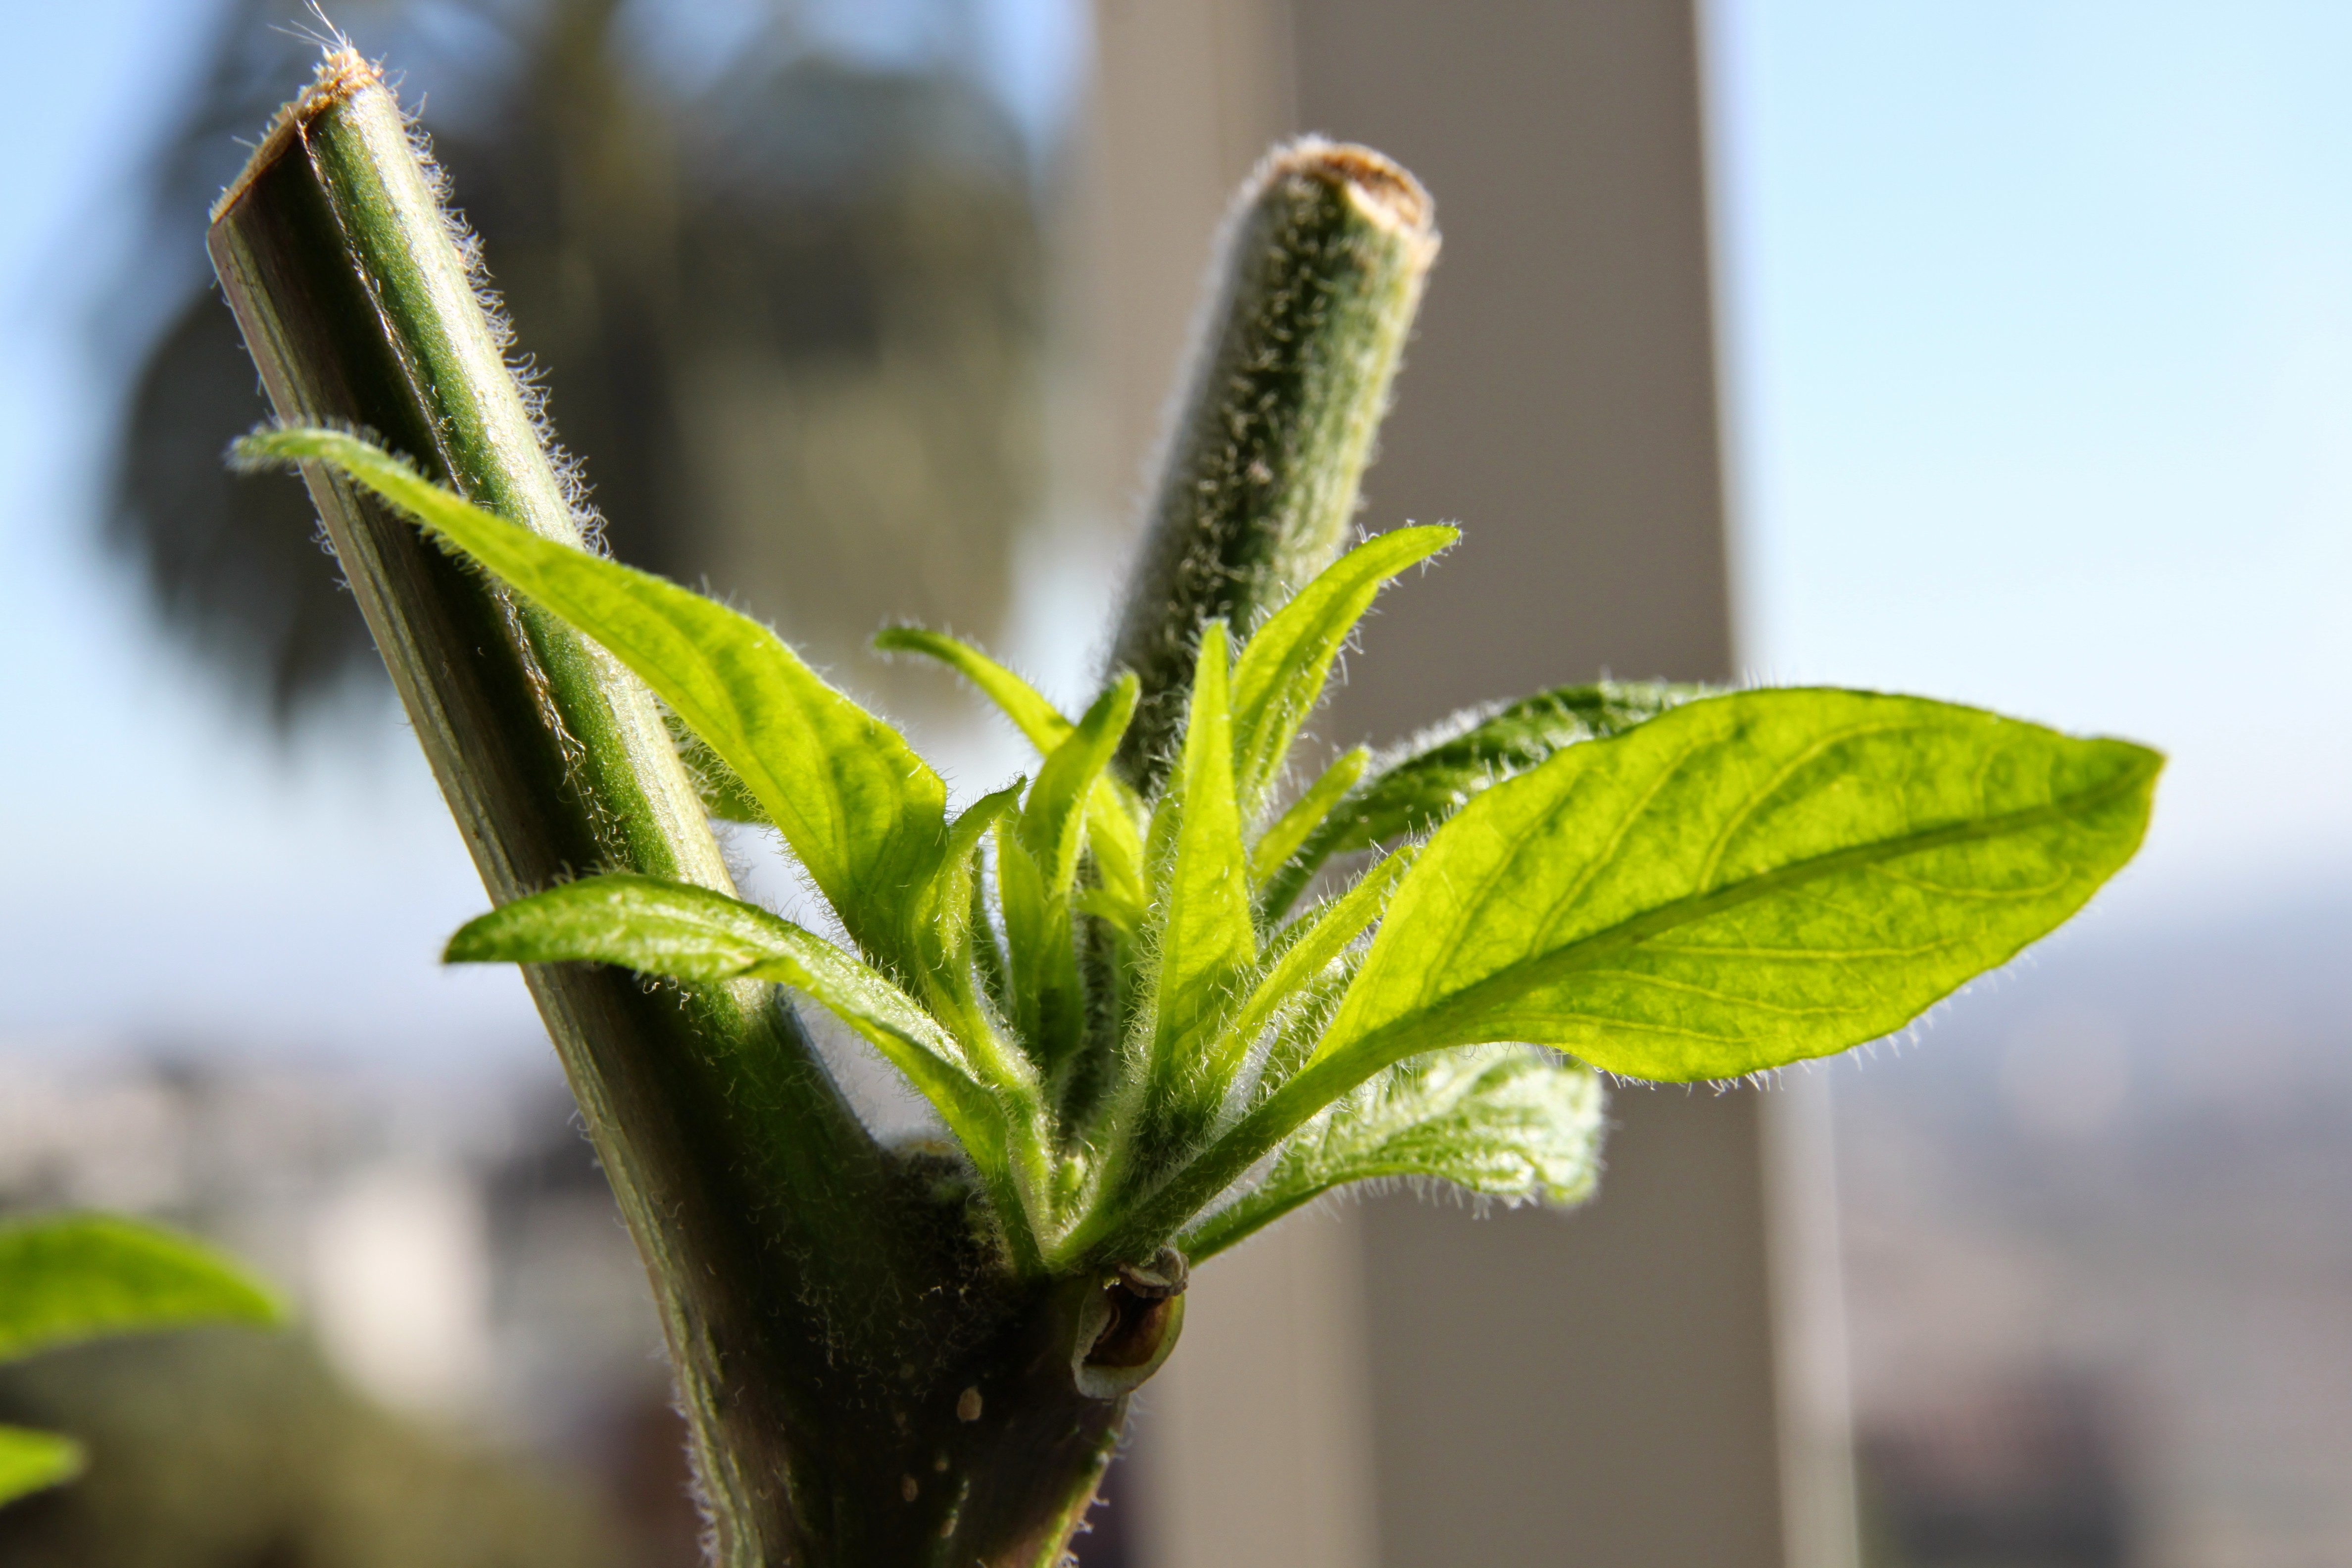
[2038,339]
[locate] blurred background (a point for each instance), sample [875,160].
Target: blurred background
[1988,351]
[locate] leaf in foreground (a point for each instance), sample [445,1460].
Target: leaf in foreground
[1746,881]
[1503,1122]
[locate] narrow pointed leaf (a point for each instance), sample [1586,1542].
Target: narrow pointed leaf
[1304,950]
[950,928]
[1052,822]
[1112,808]
[1278,843]
[688,932]
[78,1278]
[1419,785]
[1206,936]
[862,812]
[1503,1122]
[1205,933]
[1283,667]
[36,1461]
[1042,963]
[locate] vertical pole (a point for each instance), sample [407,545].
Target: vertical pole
[1603,1388]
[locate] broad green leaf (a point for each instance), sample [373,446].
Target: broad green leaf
[689,932]
[1112,809]
[78,1278]
[1303,950]
[1419,785]
[1205,934]
[1504,1122]
[1285,666]
[1746,881]
[1278,843]
[862,812]
[36,1461]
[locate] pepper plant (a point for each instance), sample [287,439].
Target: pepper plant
[1160,992]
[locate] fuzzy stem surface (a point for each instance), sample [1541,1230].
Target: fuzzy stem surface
[864,1382]
[1324,258]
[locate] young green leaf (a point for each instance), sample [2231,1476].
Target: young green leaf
[1301,952]
[1430,777]
[1035,717]
[1285,664]
[1052,823]
[62,1280]
[1743,882]
[1037,871]
[862,812]
[689,932]
[1112,808]
[1206,938]
[951,926]
[1279,842]
[1504,1122]
[36,1461]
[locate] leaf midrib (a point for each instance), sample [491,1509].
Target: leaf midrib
[1526,974]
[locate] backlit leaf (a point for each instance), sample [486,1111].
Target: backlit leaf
[689,932]
[1206,935]
[1284,667]
[1504,1122]
[1112,809]
[862,812]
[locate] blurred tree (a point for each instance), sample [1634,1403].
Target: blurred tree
[213,1450]
[791,304]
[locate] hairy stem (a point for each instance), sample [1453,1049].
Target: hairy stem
[1324,259]
[774,1229]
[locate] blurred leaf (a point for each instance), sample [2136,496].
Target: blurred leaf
[36,1461]
[1301,953]
[80,1277]
[1746,881]
[1112,808]
[1501,1120]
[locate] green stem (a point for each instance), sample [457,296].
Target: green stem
[1324,260]
[784,1245]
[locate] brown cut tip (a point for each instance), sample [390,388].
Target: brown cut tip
[341,75]
[1383,188]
